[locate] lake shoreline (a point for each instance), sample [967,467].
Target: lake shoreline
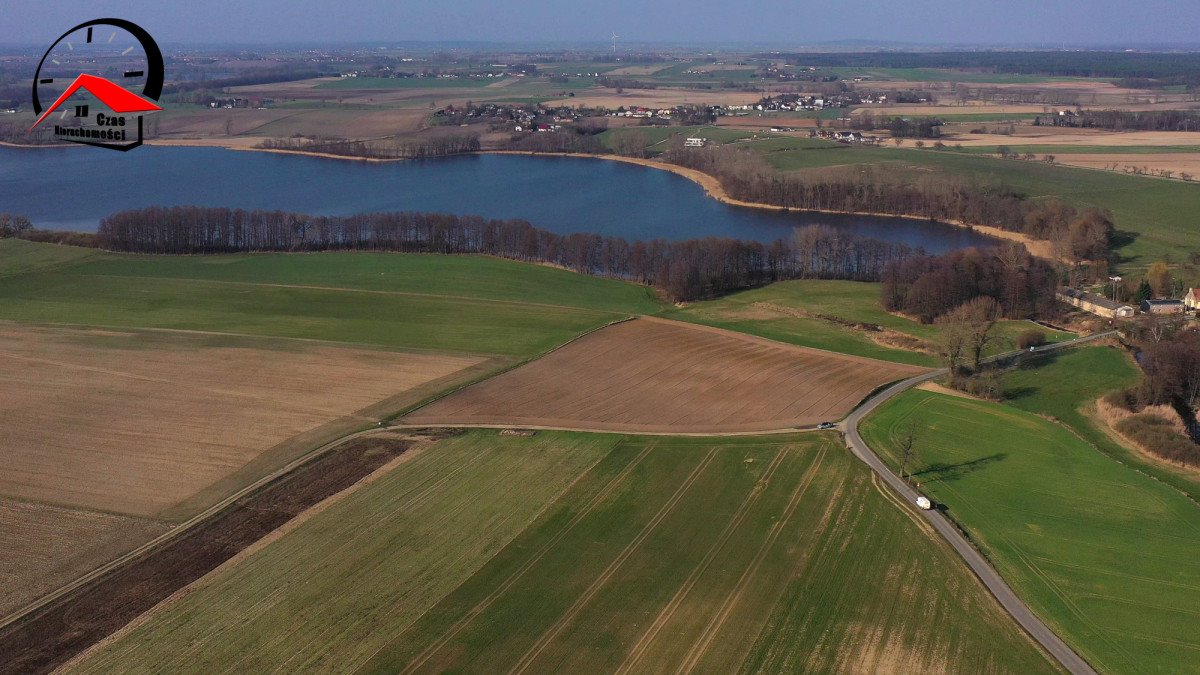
[710,184]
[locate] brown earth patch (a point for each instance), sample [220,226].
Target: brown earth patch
[1147,164]
[657,376]
[54,634]
[48,546]
[1045,135]
[140,425]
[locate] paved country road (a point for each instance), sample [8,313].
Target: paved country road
[949,531]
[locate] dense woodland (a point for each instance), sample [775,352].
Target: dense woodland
[746,176]
[683,270]
[1123,120]
[903,127]
[928,287]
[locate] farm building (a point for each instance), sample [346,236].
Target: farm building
[1098,305]
[1163,306]
[695,142]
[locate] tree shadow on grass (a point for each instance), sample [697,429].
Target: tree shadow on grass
[949,472]
[1120,239]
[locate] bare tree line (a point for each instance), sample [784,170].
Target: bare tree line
[1125,120]
[390,148]
[746,176]
[683,270]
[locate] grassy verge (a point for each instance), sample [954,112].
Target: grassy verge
[1065,386]
[1103,554]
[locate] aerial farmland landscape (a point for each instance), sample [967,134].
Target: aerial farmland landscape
[632,338]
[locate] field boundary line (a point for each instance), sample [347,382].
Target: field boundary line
[487,376]
[779,344]
[402,425]
[487,602]
[182,528]
[718,620]
[760,486]
[343,289]
[221,505]
[367,346]
[558,626]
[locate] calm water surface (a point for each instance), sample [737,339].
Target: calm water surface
[73,188]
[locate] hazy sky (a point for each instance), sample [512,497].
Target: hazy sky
[795,22]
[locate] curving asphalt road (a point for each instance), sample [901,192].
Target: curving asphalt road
[978,564]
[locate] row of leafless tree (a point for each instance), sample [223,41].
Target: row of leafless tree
[1136,120]
[391,148]
[683,270]
[746,176]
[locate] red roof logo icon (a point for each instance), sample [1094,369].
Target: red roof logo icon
[116,97]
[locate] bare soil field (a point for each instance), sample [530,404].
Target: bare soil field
[639,70]
[48,546]
[1031,135]
[216,122]
[68,625]
[1146,163]
[140,423]
[657,376]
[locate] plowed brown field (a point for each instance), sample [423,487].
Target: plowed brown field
[136,423]
[652,375]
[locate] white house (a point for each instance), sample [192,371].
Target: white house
[1192,299]
[694,142]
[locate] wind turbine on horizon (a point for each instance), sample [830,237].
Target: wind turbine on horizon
[614,41]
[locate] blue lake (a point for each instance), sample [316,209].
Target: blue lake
[74,188]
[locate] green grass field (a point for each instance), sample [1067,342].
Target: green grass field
[350,83]
[467,304]
[1105,554]
[598,553]
[1065,386]
[785,311]
[21,257]
[1156,212]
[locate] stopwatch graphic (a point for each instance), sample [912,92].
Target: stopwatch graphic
[97,81]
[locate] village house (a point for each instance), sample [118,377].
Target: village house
[1095,304]
[1163,306]
[1192,299]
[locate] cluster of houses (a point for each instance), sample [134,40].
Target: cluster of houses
[521,118]
[229,103]
[850,137]
[1110,309]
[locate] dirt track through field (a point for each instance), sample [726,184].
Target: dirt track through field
[664,616]
[533,560]
[718,620]
[655,376]
[553,632]
[74,622]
